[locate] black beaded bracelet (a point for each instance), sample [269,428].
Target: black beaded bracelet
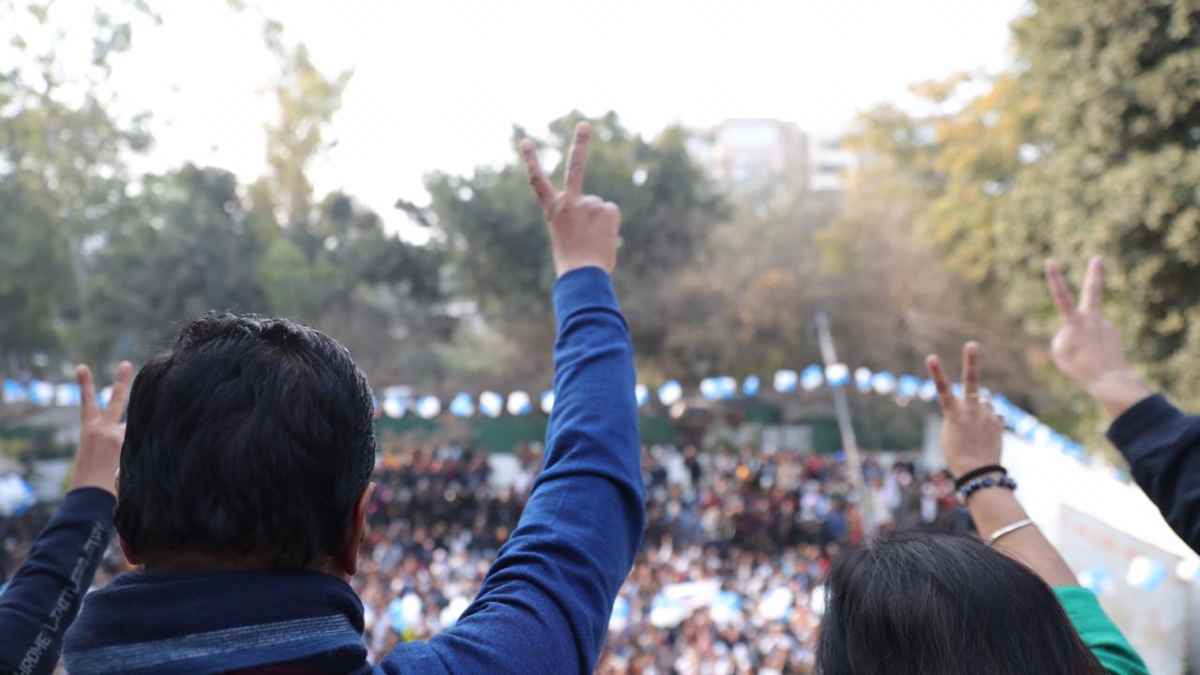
[976,473]
[987,482]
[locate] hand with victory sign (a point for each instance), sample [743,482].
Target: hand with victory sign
[972,438]
[101,432]
[584,229]
[1087,348]
[972,433]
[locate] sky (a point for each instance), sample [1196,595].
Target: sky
[437,85]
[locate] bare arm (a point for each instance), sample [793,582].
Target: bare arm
[971,438]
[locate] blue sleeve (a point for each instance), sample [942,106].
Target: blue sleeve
[42,598]
[546,601]
[1163,448]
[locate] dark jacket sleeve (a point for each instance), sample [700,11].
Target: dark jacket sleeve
[546,601]
[1163,448]
[42,598]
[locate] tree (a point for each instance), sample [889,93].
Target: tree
[188,248]
[1087,146]
[1117,166]
[894,299]
[498,258]
[747,305]
[308,100]
[62,171]
[329,261]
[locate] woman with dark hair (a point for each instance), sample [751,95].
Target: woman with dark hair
[939,604]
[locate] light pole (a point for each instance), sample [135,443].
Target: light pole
[849,443]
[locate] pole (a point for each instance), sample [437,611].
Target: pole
[849,442]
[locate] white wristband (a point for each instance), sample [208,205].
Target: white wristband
[1008,529]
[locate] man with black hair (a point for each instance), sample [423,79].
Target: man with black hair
[245,477]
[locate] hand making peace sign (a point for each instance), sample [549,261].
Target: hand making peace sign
[584,229]
[972,432]
[1087,347]
[101,432]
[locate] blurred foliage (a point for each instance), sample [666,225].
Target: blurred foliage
[498,251]
[1087,146]
[101,264]
[62,171]
[1115,169]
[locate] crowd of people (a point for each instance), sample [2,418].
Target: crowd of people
[737,545]
[728,581]
[267,536]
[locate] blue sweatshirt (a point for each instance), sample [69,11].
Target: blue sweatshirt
[544,606]
[42,598]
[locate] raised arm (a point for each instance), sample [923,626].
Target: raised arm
[43,597]
[972,436]
[971,439]
[1161,444]
[546,602]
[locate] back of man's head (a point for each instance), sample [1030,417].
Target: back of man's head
[251,440]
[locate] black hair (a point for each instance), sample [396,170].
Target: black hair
[940,604]
[252,438]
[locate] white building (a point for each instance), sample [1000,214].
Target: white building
[764,158]
[829,164]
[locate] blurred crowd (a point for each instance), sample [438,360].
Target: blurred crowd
[728,580]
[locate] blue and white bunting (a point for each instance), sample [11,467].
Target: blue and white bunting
[812,377]
[15,392]
[670,393]
[491,404]
[837,375]
[519,403]
[41,393]
[883,383]
[16,496]
[862,380]
[429,407]
[396,402]
[785,381]
[462,405]
[750,386]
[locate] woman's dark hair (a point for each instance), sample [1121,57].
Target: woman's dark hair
[938,604]
[252,438]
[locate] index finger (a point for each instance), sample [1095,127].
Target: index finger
[1093,286]
[1058,289]
[537,180]
[970,374]
[87,392]
[945,397]
[577,164]
[120,394]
